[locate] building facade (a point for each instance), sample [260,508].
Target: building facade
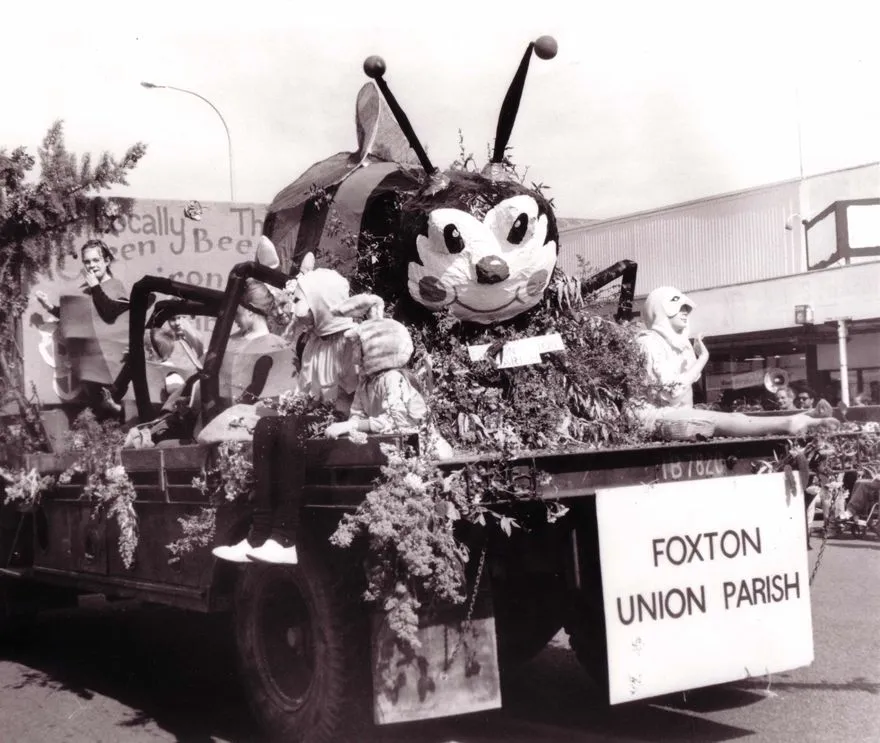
[786,276]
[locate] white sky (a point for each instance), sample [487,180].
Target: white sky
[646,104]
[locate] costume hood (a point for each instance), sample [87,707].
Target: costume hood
[325,289]
[384,344]
[662,304]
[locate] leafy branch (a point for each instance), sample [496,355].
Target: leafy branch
[41,216]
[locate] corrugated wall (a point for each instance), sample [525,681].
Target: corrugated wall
[713,242]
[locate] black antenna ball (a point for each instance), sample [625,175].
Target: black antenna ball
[545,47]
[374,65]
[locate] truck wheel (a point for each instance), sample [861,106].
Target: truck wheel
[12,621]
[296,654]
[585,625]
[527,616]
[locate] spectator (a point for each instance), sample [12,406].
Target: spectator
[804,398]
[785,398]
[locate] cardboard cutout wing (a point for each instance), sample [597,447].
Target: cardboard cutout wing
[262,366]
[95,348]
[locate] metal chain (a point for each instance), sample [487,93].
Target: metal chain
[821,552]
[466,625]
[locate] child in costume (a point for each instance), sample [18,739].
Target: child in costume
[326,375]
[673,365]
[387,399]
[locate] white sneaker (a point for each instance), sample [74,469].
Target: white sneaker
[273,552]
[234,553]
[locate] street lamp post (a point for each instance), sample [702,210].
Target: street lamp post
[223,121]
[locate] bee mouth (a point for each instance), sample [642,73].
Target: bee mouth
[478,311]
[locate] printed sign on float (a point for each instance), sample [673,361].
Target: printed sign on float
[522,351]
[704,582]
[149,237]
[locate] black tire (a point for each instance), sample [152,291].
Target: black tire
[585,625]
[301,658]
[529,611]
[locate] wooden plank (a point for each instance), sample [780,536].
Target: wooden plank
[157,528]
[187,456]
[72,539]
[342,452]
[453,672]
[141,460]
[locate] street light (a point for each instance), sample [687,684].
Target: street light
[216,110]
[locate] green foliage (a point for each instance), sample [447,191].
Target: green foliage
[197,532]
[413,558]
[108,487]
[229,479]
[24,488]
[583,396]
[823,459]
[41,217]
[408,524]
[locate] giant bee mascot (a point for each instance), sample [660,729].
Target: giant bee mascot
[467,260]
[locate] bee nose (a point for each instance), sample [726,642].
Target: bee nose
[491,270]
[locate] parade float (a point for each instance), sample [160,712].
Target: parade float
[670,564]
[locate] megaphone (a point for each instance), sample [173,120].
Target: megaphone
[775,379]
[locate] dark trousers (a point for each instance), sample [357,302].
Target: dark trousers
[279,470]
[123,379]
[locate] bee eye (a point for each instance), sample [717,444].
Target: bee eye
[518,230]
[453,238]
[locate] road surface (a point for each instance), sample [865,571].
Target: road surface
[122,674]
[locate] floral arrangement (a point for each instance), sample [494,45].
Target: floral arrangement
[580,397]
[413,557]
[415,560]
[108,487]
[25,487]
[230,479]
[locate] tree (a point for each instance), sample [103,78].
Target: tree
[41,217]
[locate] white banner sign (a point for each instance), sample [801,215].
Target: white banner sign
[704,582]
[157,238]
[522,351]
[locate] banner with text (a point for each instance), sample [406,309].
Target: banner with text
[704,582]
[159,238]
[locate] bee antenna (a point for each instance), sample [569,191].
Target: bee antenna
[374,67]
[544,47]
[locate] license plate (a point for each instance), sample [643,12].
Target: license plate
[691,469]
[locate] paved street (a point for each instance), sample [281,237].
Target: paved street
[148,676]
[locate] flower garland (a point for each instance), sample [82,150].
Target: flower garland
[25,488]
[108,486]
[415,561]
[231,479]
